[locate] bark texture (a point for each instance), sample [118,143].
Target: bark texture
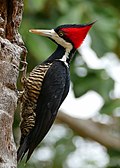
[11,47]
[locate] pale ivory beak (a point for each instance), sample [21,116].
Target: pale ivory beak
[47,33]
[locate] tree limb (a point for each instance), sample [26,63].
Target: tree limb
[93,130]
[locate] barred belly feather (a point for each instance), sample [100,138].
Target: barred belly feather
[30,95]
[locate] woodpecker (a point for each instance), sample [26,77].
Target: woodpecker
[47,86]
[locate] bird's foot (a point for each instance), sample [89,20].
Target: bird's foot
[20,96]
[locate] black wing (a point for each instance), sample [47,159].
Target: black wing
[54,90]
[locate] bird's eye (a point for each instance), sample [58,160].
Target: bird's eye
[61,34]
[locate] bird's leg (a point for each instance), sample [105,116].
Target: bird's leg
[23,71]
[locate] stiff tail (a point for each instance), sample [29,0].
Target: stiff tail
[22,150]
[25,146]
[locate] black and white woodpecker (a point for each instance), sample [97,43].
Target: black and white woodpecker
[47,86]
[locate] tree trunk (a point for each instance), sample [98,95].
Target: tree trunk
[11,47]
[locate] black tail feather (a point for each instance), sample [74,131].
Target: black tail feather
[30,153]
[22,150]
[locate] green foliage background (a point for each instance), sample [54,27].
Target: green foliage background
[105,38]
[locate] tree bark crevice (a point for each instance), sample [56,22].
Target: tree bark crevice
[11,48]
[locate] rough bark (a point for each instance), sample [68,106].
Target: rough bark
[11,47]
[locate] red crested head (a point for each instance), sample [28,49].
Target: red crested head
[74,33]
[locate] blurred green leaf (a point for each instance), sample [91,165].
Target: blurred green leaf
[97,80]
[114,158]
[110,106]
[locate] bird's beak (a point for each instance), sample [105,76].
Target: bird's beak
[47,33]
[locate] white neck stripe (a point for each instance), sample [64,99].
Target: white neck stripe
[65,57]
[68,46]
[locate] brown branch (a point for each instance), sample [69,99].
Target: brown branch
[92,130]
